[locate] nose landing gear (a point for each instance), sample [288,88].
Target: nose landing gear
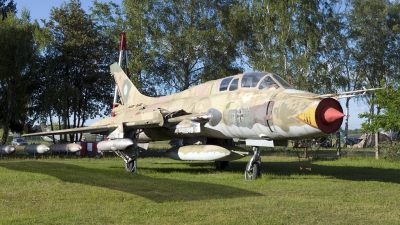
[253,167]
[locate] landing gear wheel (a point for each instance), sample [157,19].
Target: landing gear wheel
[221,165]
[98,156]
[254,171]
[131,166]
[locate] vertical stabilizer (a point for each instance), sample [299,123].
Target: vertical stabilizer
[128,93]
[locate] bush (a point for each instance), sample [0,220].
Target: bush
[9,139]
[391,151]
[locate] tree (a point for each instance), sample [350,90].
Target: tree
[17,79]
[339,55]
[389,119]
[287,38]
[375,34]
[78,82]
[10,7]
[181,43]
[109,21]
[140,62]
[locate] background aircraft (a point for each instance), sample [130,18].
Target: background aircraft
[257,108]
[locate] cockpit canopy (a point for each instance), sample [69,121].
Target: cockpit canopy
[255,80]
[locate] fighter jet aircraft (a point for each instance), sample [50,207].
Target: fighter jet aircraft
[256,108]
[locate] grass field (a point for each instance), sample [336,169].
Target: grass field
[52,190]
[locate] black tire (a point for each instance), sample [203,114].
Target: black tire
[254,173]
[221,165]
[131,166]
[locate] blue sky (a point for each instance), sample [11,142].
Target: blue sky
[40,9]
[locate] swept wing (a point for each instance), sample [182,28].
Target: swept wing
[155,119]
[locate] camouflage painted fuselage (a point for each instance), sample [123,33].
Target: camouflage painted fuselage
[244,113]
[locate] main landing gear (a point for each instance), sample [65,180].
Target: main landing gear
[131,166]
[130,162]
[130,154]
[253,170]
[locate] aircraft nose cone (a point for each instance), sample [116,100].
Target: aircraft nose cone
[327,116]
[331,115]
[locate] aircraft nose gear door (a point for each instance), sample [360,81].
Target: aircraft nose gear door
[253,168]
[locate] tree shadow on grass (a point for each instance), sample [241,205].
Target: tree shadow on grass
[352,173]
[155,189]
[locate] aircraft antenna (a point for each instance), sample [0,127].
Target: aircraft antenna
[123,54]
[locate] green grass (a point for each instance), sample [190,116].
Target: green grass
[351,190]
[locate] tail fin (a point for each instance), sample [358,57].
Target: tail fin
[128,93]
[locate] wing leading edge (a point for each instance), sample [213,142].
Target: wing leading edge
[147,120]
[91,129]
